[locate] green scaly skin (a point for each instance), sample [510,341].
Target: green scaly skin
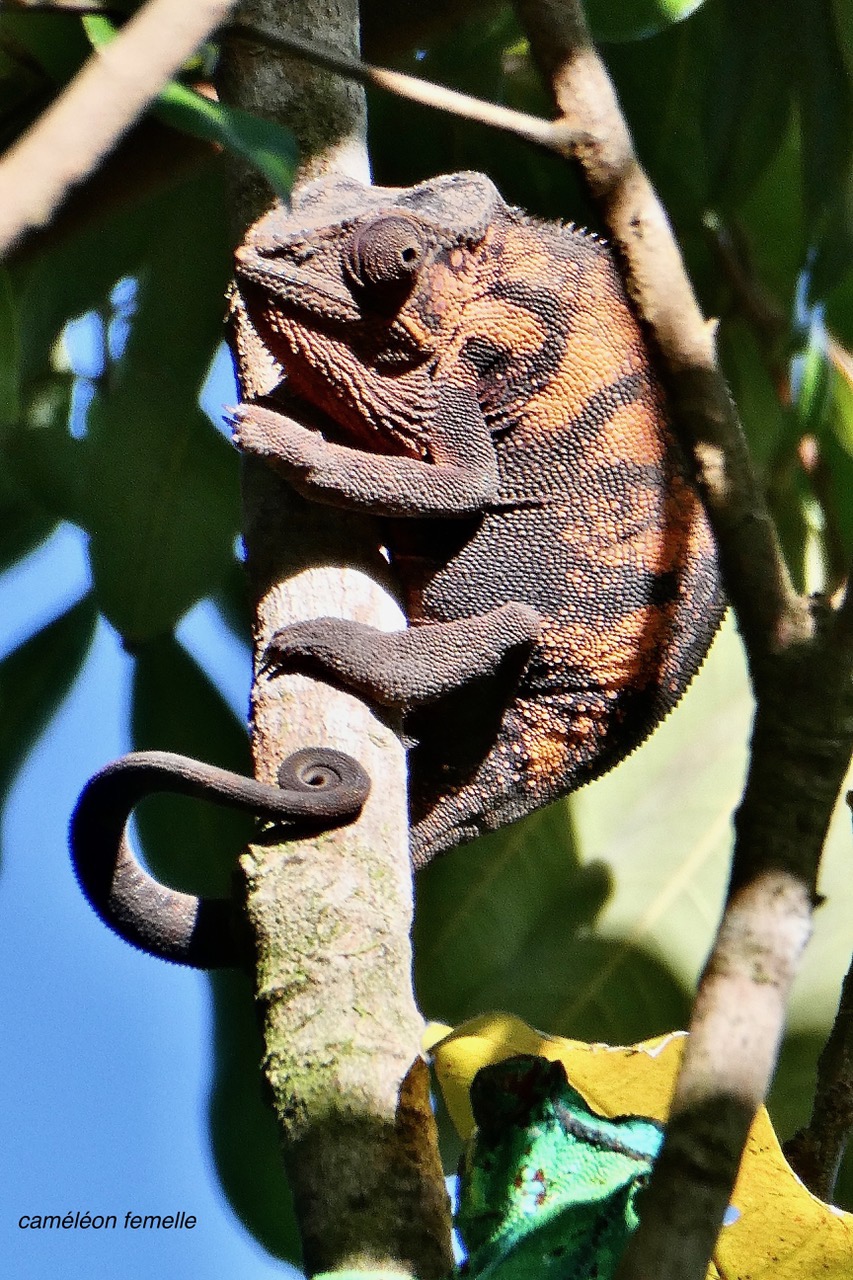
[547,1187]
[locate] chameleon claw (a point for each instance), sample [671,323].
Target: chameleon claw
[232,416]
[318,787]
[297,640]
[268,663]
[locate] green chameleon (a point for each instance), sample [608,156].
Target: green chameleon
[547,1187]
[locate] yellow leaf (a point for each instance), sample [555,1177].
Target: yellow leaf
[782,1230]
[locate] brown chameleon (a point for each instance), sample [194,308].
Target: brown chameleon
[478,381]
[485,388]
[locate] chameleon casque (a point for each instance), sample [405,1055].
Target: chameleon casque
[477,380]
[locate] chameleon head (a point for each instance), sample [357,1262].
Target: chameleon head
[351,292]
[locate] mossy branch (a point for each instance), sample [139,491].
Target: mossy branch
[331,916]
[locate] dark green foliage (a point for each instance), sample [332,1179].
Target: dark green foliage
[34,678]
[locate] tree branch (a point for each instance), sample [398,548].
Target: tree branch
[772,329]
[815,1153]
[543,133]
[768,610]
[73,7]
[800,657]
[100,104]
[331,916]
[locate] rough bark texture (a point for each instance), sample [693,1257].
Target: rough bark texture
[328,115]
[331,915]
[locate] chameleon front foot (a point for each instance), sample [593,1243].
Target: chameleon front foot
[318,787]
[403,669]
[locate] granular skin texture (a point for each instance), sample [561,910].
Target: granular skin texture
[478,380]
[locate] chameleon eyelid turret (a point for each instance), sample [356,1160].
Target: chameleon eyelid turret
[319,788]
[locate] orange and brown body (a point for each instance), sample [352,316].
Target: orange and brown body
[485,388]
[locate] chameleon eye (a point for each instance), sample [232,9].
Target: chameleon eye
[386,253]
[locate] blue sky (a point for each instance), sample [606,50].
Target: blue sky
[104,1059]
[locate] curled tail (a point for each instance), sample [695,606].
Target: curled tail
[318,787]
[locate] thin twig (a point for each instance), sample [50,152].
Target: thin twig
[103,100]
[815,1153]
[544,133]
[771,327]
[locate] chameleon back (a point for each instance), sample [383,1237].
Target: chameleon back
[597,526]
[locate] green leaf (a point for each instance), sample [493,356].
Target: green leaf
[35,678]
[233,601]
[841,393]
[162,515]
[54,40]
[635,19]
[773,430]
[23,524]
[838,298]
[485,57]
[826,121]
[769,426]
[503,921]
[162,504]
[75,275]
[268,146]
[670,872]
[826,102]
[265,144]
[25,89]
[598,930]
[176,707]
[153,483]
[10,355]
[812,388]
[45,461]
[775,227]
[656,832]
[99,28]
[842,13]
[662,85]
[834,430]
[748,98]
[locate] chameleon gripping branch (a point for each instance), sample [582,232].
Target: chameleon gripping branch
[318,788]
[483,389]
